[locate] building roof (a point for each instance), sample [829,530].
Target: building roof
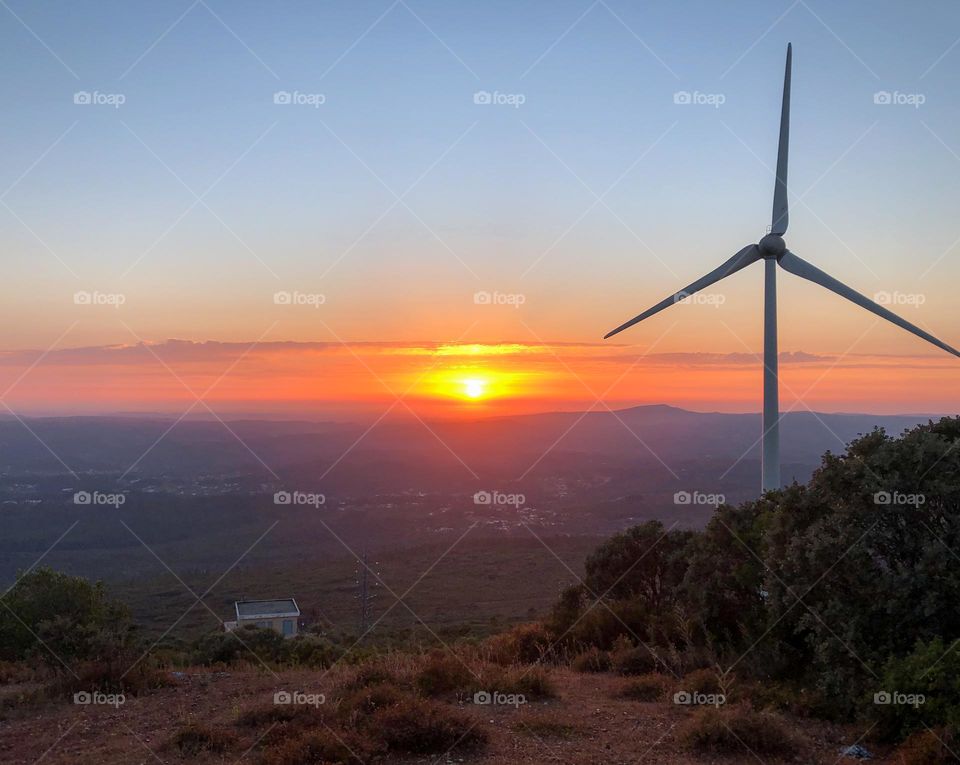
[266,609]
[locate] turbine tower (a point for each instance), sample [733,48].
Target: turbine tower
[773,251]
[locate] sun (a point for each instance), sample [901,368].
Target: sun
[474,388]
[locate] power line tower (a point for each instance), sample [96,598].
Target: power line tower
[366,589]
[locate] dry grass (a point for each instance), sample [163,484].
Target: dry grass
[416,726]
[651,687]
[739,730]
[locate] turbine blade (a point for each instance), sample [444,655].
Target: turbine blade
[781,213]
[799,267]
[742,259]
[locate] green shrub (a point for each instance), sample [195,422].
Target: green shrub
[73,619]
[924,688]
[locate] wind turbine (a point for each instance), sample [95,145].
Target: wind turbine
[773,251]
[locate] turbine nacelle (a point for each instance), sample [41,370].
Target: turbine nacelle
[772,246]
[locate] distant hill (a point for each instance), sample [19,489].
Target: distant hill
[410,451]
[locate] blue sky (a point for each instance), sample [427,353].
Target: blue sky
[305,203]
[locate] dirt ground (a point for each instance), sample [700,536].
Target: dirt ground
[585,725]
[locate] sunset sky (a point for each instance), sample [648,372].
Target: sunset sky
[189,234]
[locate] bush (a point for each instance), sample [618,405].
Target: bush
[931,670]
[366,675]
[272,714]
[73,619]
[320,747]
[444,673]
[194,738]
[652,687]
[532,681]
[732,730]
[311,651]
[591,660]
[633,661]
[526,644]
[364,702]
[415,726]
[257,645]
[703,681]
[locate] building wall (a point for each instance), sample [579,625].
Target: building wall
[275,624]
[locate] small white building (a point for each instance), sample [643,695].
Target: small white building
[281,616]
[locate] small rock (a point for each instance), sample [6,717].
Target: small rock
[857,752]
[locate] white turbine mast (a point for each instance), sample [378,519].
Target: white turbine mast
[773,251]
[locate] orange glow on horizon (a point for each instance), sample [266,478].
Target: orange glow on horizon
[331,379]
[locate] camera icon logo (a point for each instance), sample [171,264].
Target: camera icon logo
[482,697]
[882,698]
[483,97]
[82,498]
[82,697]
[282,97]
[482,498]
[682,498]
[82,298]
[282,498]
[682,97]
[682,697]
[282,697]
[882,498]
[282,298]
[883,97]
[482,298]
[82,97]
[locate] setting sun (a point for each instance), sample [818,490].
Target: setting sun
[474,388]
